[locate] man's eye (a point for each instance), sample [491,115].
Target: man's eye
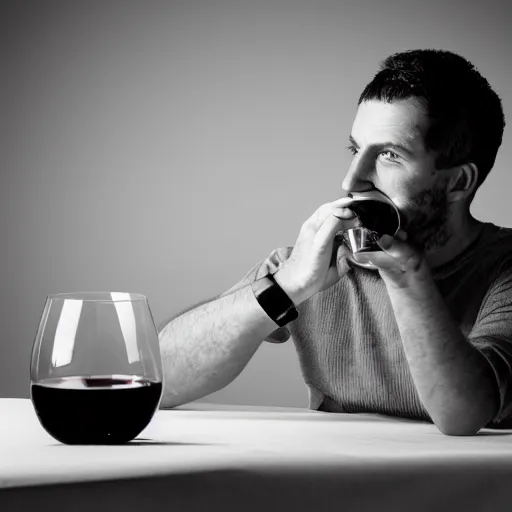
[352,149]
[389,155]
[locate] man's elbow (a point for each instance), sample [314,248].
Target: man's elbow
[458,430]
[462,425]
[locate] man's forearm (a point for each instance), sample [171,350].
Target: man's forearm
[453,379]
[206,348]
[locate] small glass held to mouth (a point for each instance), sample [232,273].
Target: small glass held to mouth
[377,215]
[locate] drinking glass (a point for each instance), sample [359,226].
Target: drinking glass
[377,215]
[96,370]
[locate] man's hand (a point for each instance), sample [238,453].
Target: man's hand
[398,260]
[314,264]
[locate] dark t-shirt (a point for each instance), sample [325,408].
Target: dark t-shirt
[349,346]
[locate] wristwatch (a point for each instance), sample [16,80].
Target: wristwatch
[274,300]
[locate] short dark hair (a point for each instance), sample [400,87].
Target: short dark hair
[466,113]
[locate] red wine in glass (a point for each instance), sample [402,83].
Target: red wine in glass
[95,410]
[96,371]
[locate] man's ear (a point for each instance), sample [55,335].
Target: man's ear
[463,183]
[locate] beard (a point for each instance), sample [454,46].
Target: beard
[426,216]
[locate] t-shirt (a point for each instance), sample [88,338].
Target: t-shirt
[349,346]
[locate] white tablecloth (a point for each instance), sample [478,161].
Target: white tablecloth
[209,457]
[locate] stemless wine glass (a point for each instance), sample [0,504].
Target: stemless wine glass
[96,370]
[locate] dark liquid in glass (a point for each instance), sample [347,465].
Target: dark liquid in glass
[377,216]
[95,410]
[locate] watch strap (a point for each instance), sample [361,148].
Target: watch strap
[274,300]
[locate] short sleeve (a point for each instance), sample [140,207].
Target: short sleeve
[268,266]
[492,335]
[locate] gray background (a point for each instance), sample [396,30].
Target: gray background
[164,147]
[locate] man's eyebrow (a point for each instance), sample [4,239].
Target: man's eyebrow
[391,145]
[352,141]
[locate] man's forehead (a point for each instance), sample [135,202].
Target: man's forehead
[402,121]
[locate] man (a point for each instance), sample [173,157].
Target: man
[428,335]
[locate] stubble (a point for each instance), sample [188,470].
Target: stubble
[426,218]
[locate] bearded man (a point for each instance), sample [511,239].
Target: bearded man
[427,333]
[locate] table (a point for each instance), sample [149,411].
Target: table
[243,458]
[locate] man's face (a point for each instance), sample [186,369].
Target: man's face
[387,142]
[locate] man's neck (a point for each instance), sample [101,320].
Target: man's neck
[462,235]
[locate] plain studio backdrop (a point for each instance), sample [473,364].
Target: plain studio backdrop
[165,147]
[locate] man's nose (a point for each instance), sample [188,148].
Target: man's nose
[360,175]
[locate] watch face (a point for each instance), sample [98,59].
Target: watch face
[274,301]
